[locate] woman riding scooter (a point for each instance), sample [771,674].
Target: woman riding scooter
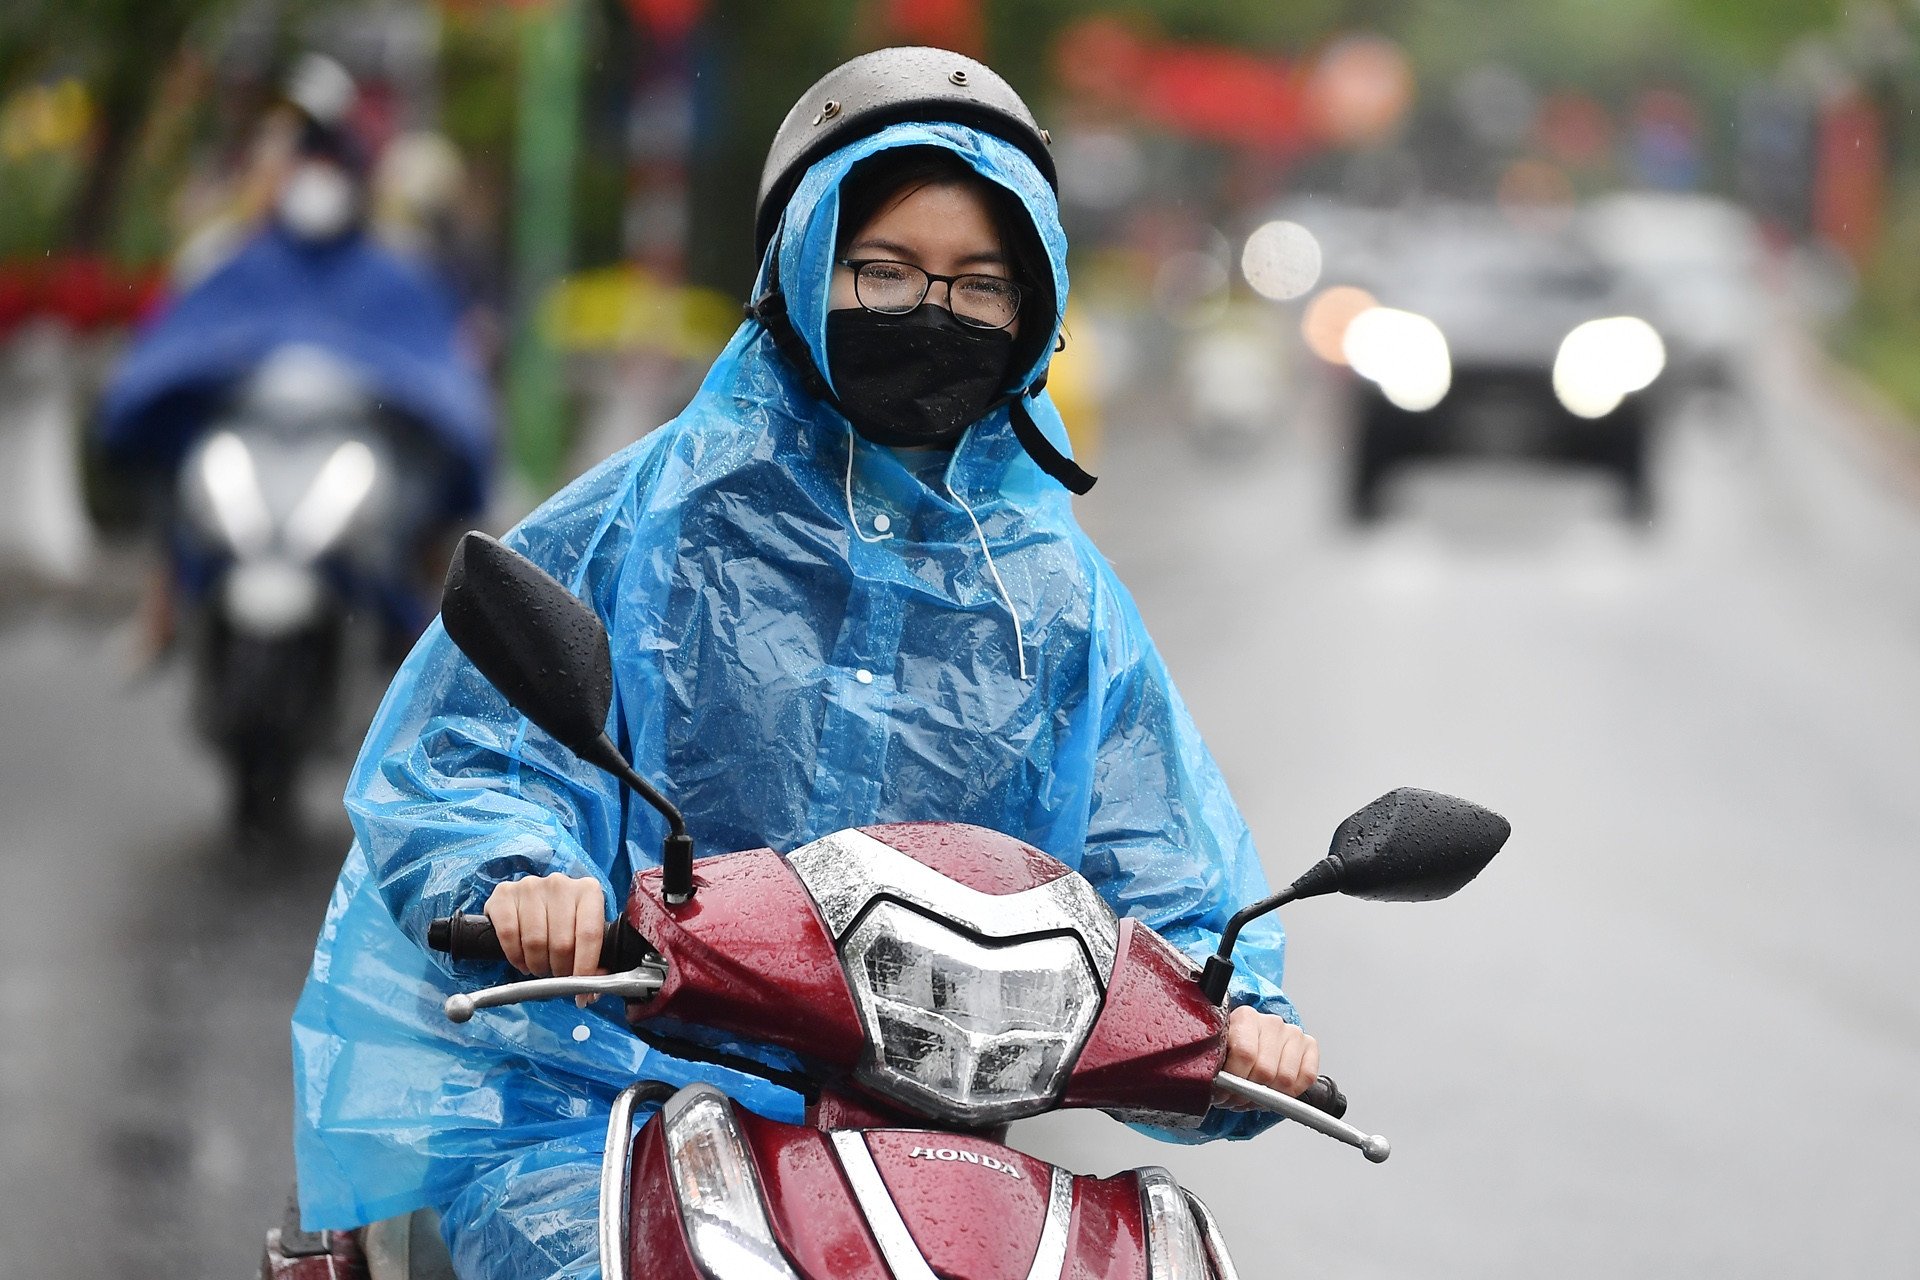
[844,586]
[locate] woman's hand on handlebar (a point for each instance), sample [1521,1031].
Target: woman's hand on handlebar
[1268,1050]
[550,926]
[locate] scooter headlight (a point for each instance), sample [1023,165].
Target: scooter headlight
[329,504]
[270,597]
[721,1203]
[1602,362]
[232,488]
[969,1032]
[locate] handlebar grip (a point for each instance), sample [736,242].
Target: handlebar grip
[471,937]
[1325,1096]
[466,937]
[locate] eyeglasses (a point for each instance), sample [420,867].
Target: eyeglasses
[895,288]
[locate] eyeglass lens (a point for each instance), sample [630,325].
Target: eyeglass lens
[898,287]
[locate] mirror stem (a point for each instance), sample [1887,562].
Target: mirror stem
[1219,968]
[676,851]
[1321,877]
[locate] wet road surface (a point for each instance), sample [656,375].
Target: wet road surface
[151,969]
[1671,1032]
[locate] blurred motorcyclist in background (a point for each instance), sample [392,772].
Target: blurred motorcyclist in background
[307,424]
[312,277]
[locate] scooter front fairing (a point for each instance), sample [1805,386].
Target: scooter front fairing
[708,1191]
[939,980]
[938,972]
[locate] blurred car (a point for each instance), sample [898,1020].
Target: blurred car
[1491,339]
[1701,263]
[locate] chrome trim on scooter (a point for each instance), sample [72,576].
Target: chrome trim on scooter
[889,1229]
[848,869]
[615,1189]
[1210,1235]
[1050,1259]
[890,1232]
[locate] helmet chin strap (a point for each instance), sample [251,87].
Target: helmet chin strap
[770,309]
[1041,450]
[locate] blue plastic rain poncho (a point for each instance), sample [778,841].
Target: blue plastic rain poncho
[807,635]
[389,319]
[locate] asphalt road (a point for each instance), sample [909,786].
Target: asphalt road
[1672,1031]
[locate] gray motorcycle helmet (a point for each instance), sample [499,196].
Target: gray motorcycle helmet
[886,87]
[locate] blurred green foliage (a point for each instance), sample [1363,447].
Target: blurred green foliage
[755,58]
[479,55]
[38,190]
[1760,30]
[120,49]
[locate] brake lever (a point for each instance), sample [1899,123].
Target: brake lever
[1372,1145]
[637,983]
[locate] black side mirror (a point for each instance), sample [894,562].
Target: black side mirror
[537,642]
[547,652]
[1408,846]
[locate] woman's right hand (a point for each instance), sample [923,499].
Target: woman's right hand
[550,926]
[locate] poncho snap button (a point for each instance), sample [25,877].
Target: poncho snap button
[864,676]
[882,523]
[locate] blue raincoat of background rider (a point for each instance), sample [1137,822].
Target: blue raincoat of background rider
[845,586]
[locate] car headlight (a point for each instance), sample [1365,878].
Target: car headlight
[1602,362]
[232,487]
[721,1203]
[328,505]
[1404,354]
[968,1032]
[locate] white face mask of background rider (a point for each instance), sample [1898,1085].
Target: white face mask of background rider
[318,201]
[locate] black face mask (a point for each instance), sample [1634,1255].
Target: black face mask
[920,378]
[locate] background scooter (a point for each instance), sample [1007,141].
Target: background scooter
[293,543]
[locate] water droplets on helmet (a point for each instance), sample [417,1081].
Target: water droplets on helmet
[888,86]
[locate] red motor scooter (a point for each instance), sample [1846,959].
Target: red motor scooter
[936,980]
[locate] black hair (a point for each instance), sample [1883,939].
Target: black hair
[881,181]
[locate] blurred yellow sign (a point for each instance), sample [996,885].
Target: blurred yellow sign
[627,308]
[45,117]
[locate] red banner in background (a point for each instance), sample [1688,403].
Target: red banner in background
[1225,95]
[945,24]
[1850,176]
[668,21]
[83,291]
[1354,91]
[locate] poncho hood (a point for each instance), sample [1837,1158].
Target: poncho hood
[803,246]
